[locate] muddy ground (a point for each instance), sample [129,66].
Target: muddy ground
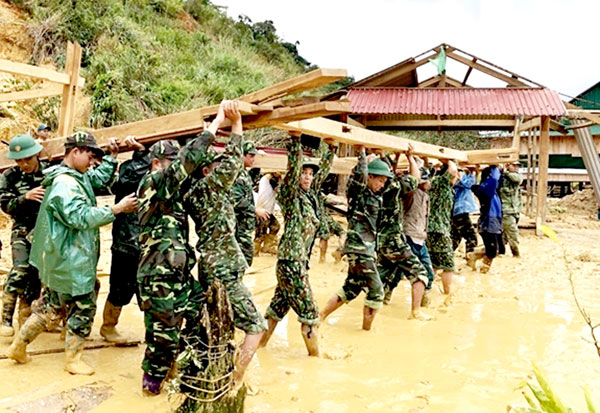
[473,357]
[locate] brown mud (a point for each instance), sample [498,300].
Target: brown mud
[473,357]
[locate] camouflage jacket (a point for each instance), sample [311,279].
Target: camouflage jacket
[243,204]
[14,184]
[392,212]
[209,204]
[364,207]
[441,198]
[300,208]
[125,230]
[510,192]
[162,221]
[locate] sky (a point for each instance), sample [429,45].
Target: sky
[552,42]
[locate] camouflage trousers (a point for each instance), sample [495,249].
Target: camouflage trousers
[440,249]
[362,276]
[23,279]
[293,291]
[163,298]
[80,310]
[462,227]
[329,227]
[395,263]
[510,230]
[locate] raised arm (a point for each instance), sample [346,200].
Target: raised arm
[324,165]
[360,174]
[291,181]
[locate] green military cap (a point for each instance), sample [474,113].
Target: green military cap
[83,140]
[167,149]
[23,146]
[380,168]
[309,163]
[249,148]
[43,127]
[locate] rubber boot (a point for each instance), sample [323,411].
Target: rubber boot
[9,302]
[111,318]
[34,325]
[515,251]
[73,352]
[486,264]
[270,244]
[387,298]
[24,312]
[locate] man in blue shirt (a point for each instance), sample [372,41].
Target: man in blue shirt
[464,205]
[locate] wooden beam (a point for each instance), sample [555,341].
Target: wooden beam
[516,143]
[455,83]
[429,82]
[69,94]
[424,123]
[307,81]
[278,163]
[542,188]
[354,122]
[583,114]
[469,70]
[52,90]
[530,124]
[492,156]
[492,72]
[345,133]
[402,71]
[189,123]
[37,72]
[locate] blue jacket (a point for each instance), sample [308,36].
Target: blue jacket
[464,203]
[490,218]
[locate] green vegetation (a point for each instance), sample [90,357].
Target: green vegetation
[146,58]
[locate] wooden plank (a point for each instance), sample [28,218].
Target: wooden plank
[516,143]
[542,188]
[530,124]
[424,123]
[66,104]
[37,72]
[402,71]
[307,81]
[278,163]
[469,70]
[354,122]
[492,72]
[429,82]
[345,133]
[47,91]
[187,123]
[492,156]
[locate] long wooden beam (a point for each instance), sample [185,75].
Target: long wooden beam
[52,90]
[542,189]
[492,72]
[37,72]
[530,124]
[307,81]
[278,163]
[325,128]
[492,156]
[424,123]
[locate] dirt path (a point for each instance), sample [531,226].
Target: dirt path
[471,358]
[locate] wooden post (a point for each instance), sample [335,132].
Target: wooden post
[529,175]
[543,174]
[535,171]
[342,183]
[69,94]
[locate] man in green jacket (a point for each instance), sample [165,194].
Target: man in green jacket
[510,195]
[20,197]
[66,247]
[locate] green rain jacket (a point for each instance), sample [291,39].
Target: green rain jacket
[66,241]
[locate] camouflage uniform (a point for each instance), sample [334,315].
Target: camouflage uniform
[328,225]
[166,258]
[364,207]
[395,258]
[301,214]
[245,214]
[125,232]
[23,280]
[510,195]
[219,255]
[439,241]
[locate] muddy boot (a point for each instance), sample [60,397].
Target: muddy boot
[337,254]
[9,302]
[515,252]
[34,325]
[110,319]
[257,247]
[151,385]
[270,244]
[486,264]
[73,352]
[387,298]
[24,312]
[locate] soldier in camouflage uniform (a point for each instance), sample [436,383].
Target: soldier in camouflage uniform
[66,247]
[364,207]
[439,240]
[166,258]
[20,197]
[298,199]
[394,256]
[510,194]
[327,227]
[125,250]
[209,204]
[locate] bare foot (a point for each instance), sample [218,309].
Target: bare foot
[420,315]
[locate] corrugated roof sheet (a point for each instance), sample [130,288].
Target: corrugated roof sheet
[456,101]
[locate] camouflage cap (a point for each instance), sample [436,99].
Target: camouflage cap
[83,140]
[249,148]
[167,149]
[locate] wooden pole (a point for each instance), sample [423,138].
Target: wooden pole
[534,174]
[543,174]
[529,175]
[69,94]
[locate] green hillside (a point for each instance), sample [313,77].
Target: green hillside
[146,58]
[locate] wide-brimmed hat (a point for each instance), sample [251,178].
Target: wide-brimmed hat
[23,146]
[379,168]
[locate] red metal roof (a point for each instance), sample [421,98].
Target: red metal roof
[456,101]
